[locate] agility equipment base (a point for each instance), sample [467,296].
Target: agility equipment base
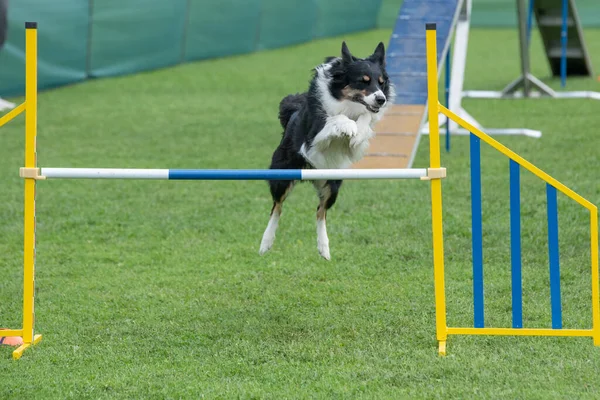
[434,175]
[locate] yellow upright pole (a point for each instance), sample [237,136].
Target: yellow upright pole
[30,162]
[436,190]
[595,278]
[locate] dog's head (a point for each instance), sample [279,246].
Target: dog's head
[361,80]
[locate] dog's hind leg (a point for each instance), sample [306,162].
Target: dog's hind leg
[279,191]
[327,192]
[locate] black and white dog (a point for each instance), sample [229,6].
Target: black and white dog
[329,127]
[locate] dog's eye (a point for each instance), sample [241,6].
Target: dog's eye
[381,80]
[366,78]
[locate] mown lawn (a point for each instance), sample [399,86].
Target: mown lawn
[154,289]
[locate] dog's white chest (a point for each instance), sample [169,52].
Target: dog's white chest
[340,143]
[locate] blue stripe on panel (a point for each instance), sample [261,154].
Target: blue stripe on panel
[448,97]
[564,42]
[476,230]
[515,245]
[553,255]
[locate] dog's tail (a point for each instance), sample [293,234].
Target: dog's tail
[289,105]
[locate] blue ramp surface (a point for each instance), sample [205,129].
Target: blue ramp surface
[398,132]
[406,54]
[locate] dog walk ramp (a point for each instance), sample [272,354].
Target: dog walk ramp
[398,132]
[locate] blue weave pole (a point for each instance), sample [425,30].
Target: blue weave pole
[476,230]
[448,98]
[553,255]
[529,20]
[515,245]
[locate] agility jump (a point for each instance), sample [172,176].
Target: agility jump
[434,174]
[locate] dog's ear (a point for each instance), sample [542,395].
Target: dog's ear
[347,57]
[379,54]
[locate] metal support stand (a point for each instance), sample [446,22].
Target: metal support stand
[526,80]
[459,60]
[531,86]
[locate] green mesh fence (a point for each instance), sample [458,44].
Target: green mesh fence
[283,23]
[62,45]
[134,35]
[79,39]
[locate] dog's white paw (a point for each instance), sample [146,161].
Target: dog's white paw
[348,128]
[344,125]
[269,236]
[324,250]
[266,244]
[322,239]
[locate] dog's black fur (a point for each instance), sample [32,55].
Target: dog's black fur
[329,125]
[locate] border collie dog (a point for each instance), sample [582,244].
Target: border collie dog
[328,127]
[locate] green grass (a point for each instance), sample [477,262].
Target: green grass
[155,289]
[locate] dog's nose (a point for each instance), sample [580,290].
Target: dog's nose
[380,100]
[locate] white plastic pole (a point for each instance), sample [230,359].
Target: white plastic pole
[104,173]
[393,173]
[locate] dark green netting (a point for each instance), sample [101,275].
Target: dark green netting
[86,38]
[136,35]
[221,28]
[283,23]
[340,16]
[62,43]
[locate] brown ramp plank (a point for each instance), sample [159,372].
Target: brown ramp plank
[396,137]
[375,162]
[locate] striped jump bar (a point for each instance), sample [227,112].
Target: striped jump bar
[230,174]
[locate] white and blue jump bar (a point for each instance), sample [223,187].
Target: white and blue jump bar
[232,174]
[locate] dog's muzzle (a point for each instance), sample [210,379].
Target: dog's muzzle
[374,108]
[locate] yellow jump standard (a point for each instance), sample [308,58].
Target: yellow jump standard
[476,135]
[30,109]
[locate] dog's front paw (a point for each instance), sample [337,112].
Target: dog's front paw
[344,125]
[348,128]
